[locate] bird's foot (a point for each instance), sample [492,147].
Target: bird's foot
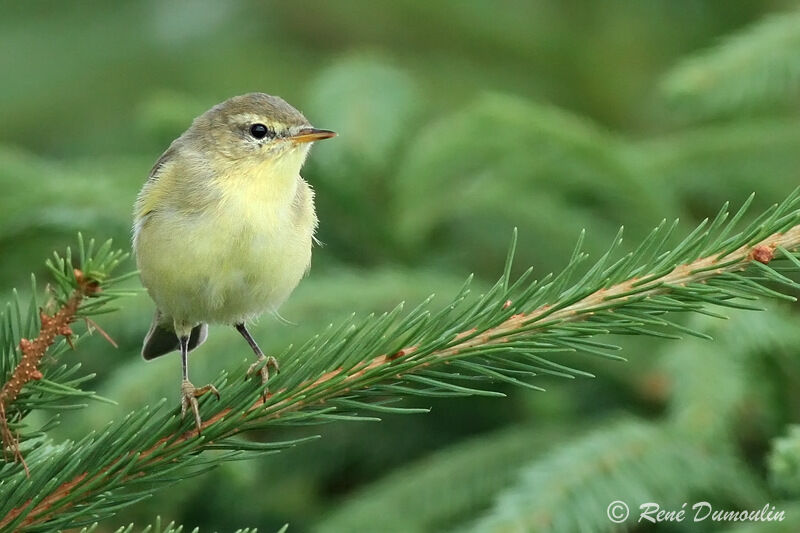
[189,396]
[263,368]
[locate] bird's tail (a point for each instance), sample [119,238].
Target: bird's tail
[161,338]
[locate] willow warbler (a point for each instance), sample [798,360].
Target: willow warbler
[223,227]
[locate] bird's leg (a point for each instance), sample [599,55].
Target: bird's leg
[190,393]
[260,365]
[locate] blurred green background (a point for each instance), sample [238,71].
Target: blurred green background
[458,120]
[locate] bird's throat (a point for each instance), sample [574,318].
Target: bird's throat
[263,187]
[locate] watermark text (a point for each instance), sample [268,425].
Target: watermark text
[618,512]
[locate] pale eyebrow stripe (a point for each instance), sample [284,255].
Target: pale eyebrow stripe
[252,118]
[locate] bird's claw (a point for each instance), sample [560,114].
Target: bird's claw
[189,396]
[262,366]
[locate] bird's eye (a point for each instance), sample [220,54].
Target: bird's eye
[259,131]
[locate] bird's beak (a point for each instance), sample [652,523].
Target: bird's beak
[308,135]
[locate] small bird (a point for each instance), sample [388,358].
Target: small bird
[223,227]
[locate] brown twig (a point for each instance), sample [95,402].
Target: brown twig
[695,272]
[33,351]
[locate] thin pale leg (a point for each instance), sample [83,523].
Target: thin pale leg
[260,365]
[190,393]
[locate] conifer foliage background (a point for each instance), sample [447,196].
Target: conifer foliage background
[458,121]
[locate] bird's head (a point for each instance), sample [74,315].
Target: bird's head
[255,128]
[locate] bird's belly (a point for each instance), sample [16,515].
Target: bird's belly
[221,270]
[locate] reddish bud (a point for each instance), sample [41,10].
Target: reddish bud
[762,254]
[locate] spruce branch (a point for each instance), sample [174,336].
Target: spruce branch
[25,343]
[28,368]
[51,327]
[512,333]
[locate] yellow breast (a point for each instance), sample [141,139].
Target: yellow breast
[239,255]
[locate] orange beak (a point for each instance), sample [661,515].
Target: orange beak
[308,135]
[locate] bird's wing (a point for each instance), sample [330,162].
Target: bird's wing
[148,195]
